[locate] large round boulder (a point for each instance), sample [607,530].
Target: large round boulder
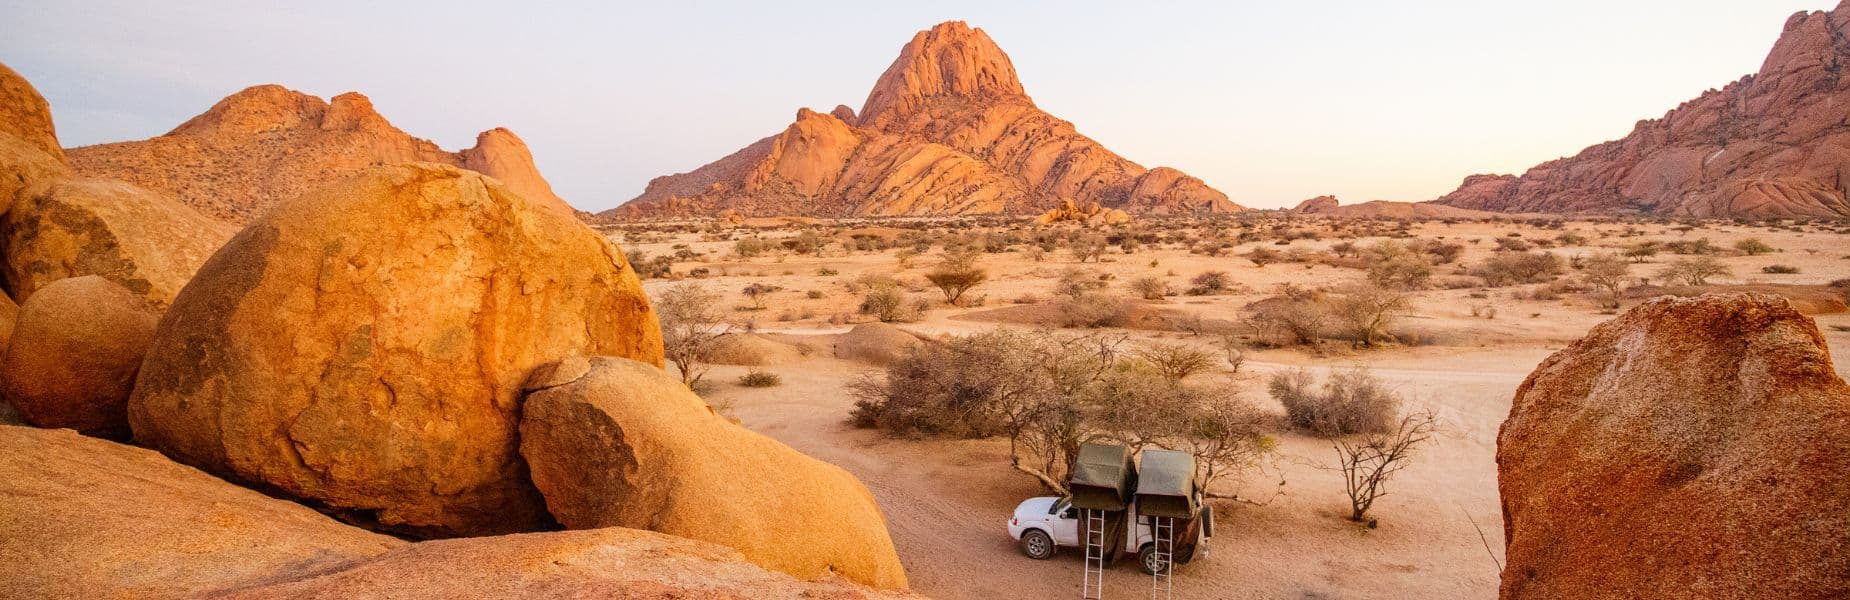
[148,243]
[72,357]
[362,347]
[617,443]
[1690,448]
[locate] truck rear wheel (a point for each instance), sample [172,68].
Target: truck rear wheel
[1037,544]
[1146,560]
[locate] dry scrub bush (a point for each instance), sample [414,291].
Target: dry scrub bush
[1209,283]
[1348,401]
[889,304]
[760,379]
[1150,288]
[1293,317]
[1092,309]
[1048,393]
[1512,267]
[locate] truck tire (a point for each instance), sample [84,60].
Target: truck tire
[1037,544]
[1146,559]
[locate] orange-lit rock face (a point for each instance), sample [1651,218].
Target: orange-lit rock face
[362,347]
[267,144]
[1689,448]
[24,114]
[947,129]
[1774,144]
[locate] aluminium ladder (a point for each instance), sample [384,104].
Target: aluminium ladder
[1093,585]
[1162,551]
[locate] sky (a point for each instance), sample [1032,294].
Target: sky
[1271,102]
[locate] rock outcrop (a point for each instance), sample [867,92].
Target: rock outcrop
[137,238]
[267,144]
[875,343]
[1773,144]
[26,116]
[362,348]
[597,563]
[1088,214]
[946,130]
[73,356]
[87,518]
[617,443]
[29,152]
[1690,448]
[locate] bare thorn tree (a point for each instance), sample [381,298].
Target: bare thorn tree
[691,325]
[1368,464]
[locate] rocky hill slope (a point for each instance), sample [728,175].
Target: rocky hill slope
[1773,144]
[947,129]
[268,143]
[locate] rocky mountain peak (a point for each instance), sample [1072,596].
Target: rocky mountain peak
[256,109]
[951,59]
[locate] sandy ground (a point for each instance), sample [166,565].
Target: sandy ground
[1440,533]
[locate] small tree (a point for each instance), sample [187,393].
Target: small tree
[757,292]
[1369,308]
[1177,361]
[956,274]
[691,324]
[1641,251]
[1607,272]
[1368,464]
[1694,270]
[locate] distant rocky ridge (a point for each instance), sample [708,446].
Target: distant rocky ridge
[1773,144]
[1384,209]
[946,130]
[267,144]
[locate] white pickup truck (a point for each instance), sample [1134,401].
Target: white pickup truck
[1046,523]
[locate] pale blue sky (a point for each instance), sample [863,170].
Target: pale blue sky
[1271,102]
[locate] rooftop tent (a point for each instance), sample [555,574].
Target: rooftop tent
[1102,477]
[1166,484]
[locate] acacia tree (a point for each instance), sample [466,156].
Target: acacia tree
[1607,272]
[1369,308]
[1695,270]
[1368,464]
[956,274]
[691,324]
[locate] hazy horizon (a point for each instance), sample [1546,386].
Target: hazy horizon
[1270,104]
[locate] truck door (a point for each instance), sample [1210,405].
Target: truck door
[1066,525]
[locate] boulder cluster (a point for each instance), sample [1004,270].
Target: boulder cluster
[272,407]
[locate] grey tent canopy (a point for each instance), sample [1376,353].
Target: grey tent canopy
[1166,484]
[1102,477]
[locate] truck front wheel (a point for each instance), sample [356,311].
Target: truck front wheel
[1036,544]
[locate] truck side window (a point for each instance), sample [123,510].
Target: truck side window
[1070,513]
